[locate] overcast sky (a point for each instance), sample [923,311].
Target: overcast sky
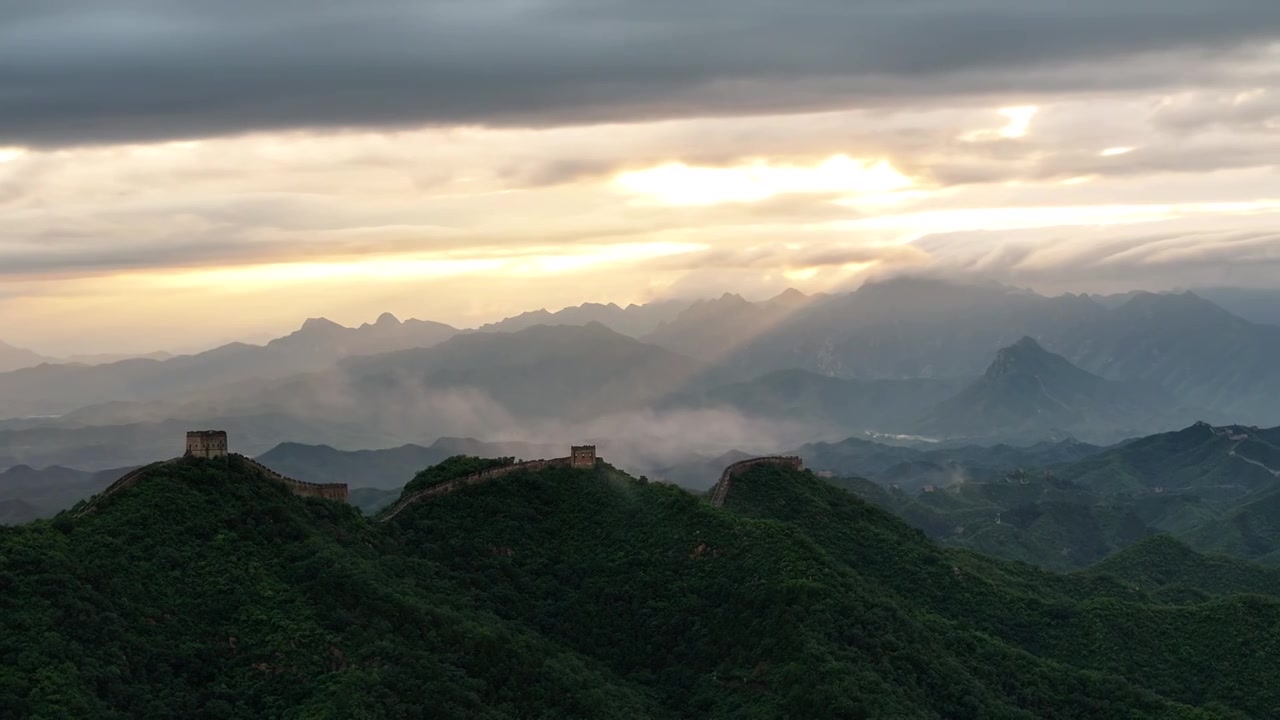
[179,172]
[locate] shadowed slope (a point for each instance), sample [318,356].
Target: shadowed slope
[580,593]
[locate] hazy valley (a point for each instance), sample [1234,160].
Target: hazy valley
[977,413]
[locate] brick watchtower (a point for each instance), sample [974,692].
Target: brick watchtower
[582,456]
[206,444]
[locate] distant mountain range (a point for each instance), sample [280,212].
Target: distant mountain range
[1253,304]
[912,328]
[60,389]
[713,330]
[27,494]
[549,381]
[1031,393]
[845,404]
[15,358]
[905,357]
[633,320]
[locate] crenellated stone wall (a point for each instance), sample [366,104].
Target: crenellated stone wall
[328,491]
[720,492]
[580,456]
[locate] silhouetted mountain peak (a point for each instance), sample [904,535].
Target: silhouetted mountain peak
[319,325]
[387,319]
[790,296]
[1185,306]
[13,358]
[18,470]
[1027,356]
[1028,389]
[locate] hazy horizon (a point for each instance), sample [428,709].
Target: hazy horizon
[159,191]
[353,319]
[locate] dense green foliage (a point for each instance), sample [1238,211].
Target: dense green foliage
[1213,488]
[1163,565]
[205,591]
[1031,517]
[449,469]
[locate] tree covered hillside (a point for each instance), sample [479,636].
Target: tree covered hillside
[1216,489]
[205,591]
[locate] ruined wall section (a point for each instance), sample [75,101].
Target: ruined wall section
[720,492]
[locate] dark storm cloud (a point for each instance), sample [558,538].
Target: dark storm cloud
[84,71]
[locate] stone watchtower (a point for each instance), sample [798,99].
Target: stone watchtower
[583,456]
[206,444]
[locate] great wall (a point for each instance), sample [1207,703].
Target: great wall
[581,456]
[124,482]
[720,492]
[212,444]
[328,491]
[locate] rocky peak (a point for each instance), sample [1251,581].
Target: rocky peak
[1026,355]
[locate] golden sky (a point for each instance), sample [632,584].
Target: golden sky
[137,243]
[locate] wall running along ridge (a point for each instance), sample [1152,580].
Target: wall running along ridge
[327,491]
[126,481]
[449,486]
[720,492]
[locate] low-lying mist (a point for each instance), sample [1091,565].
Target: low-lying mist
[331,409]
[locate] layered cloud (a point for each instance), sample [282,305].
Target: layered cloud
[81,71]
[463,161]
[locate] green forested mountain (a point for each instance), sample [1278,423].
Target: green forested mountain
[389,468]
[207,591]
[911,467]
[1214,488]
[1163,565]
[1223,462]
[1034,518]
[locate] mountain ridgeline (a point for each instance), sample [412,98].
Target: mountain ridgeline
[206,591]
[1066,506]
[1030,393]
[901,357]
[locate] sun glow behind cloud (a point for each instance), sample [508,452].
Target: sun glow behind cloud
[1018,125]
[678,184]
[469,225]
[549,261]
